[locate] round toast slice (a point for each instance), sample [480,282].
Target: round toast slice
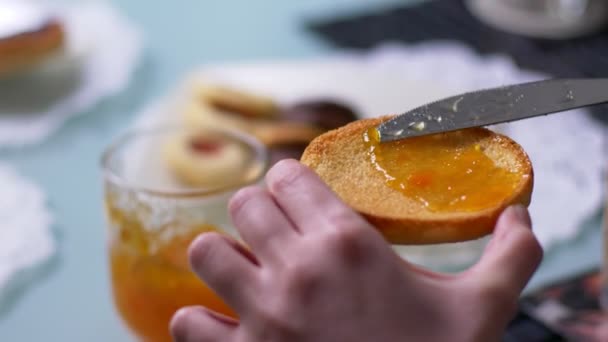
[340,157]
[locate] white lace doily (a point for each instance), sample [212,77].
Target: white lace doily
[26,239]
[566,148]
[103,49]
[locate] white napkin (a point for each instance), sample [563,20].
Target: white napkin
[566,148]
[26,238]
[567,154]
[103,50]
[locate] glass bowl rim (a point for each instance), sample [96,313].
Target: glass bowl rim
[111,175]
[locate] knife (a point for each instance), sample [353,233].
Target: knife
[494,106]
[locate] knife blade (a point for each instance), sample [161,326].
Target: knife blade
[494,106]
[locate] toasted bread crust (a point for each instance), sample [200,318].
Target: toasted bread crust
[339,157]
[22,50]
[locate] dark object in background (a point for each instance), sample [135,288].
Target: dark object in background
[451,20]
[323,113]
[524,328]
[571,307]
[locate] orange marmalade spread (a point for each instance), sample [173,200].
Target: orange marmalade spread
[150,272]
[443,172]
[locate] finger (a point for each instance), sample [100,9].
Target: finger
[261,223]
[511,257]
[429,274]
[197,324]
[220,263]
[306,200]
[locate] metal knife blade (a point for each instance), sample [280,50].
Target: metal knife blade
[493,106]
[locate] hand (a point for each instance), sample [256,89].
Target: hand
[316,271]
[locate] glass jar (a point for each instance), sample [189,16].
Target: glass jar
[153,216]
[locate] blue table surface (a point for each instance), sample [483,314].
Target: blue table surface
[70,299]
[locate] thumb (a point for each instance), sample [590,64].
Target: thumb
[512,255]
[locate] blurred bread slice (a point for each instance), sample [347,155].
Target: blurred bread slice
[28,36]
[341,159]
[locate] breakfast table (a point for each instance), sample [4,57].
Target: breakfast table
[71,299]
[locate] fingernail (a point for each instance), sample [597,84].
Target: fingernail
[221,318]
[521,213]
